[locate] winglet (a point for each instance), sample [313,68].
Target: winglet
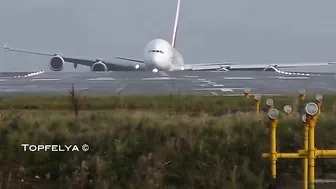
[5,46]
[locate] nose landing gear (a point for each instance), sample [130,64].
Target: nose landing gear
[155,70]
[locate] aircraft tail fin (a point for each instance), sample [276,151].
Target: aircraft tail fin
[176,23]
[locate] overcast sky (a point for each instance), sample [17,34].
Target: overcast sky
[246,31]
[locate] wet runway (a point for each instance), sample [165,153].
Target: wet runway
[148,83]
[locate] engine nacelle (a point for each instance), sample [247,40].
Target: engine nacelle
[271,68]
[224,68]
[56,63]
[99,67]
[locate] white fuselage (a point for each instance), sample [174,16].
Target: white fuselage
[160,55]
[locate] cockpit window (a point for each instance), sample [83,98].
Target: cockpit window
[159,51]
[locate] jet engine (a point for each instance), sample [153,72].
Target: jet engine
[56,63]
[99,67]
[271,68]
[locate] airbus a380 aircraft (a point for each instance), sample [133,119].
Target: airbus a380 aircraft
[158,55]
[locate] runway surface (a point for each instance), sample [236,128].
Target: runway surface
[148,83]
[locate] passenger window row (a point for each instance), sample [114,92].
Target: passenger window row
[159,51]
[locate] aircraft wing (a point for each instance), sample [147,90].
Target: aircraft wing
[210,66]
[115,66]
[129,59]
[275,66]
[227,66]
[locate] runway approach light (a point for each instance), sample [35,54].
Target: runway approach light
[247,92]
[319,102]
[269,103]
[288,109]
[302,93]
[319,98]
[311,109]
[304,118]
[273,113]
[257,97]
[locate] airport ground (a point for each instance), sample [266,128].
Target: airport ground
[148,83]
[171,141]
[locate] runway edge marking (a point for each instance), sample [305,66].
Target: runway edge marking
[157,78]
[239,78]
[260,94]
[45,79]
[101,79]
[294,77]
[215,89]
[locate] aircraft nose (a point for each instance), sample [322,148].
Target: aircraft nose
[157,60]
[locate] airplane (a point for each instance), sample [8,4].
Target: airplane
[159,54]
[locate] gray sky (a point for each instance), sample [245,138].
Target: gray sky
[245,31]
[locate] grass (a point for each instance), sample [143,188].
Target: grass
[152,142]
[177,103]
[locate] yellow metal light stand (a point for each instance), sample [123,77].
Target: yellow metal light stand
[311,120]
[274,155]
[305,148]
[273,114]
[319,102]
[309,152]
[257,98]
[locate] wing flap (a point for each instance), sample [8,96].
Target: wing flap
[205,67]
[289,65]
[248,67]
[276,65]
[213,63]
